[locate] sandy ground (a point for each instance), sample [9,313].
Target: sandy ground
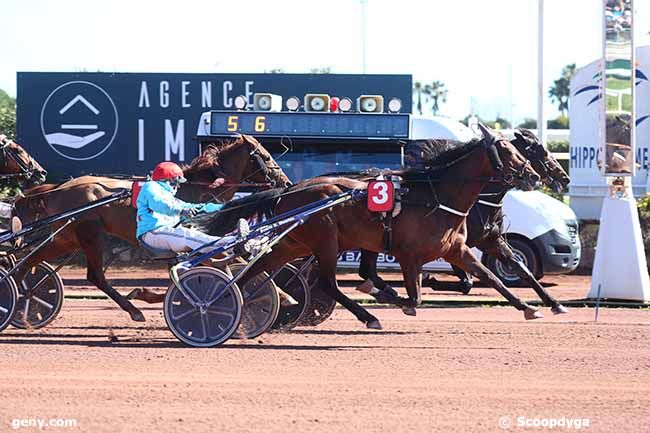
[446,370]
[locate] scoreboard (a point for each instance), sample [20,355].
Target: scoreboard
[309,124]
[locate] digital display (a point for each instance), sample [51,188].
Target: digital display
[334,125]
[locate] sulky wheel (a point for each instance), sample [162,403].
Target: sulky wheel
[291,282]
[320,309]
[8,299]
[40,297]
[321,306]
[197,323]
[261,304]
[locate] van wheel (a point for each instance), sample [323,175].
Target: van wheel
[525,253]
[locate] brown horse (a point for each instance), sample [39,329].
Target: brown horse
[430,225]
[484,226]
[233,162]
[16,163]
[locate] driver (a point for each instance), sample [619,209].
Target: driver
[160,212]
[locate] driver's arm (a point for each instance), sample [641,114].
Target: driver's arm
[210,207]
[163,202]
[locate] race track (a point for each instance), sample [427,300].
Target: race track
[446,370]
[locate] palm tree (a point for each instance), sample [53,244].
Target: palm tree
[437,92]
[560,90]
[417,86]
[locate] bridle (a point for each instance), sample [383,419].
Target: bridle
[538,154]
[26,169]
[506,177]
[265,164]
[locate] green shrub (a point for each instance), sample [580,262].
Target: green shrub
[558,146]
[560,122]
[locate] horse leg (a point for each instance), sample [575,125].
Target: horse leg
[327,283]
[91,239]
[468,261]
[374,285]
[502,251]
[146,295]
[463,286]
[327,261]
[411,271]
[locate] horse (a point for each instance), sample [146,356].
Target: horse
[17,164]
[484,228]
[214,174]
[430,225]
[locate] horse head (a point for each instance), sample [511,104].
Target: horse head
[233,164]
[263,164]
[16,162]
[510,166]
[544,163]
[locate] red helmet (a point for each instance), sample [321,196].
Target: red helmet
[166,171]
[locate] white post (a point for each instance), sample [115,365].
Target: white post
[541,120]
[620,269]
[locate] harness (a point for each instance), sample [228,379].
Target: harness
[386,218]
[26,169]
[384,197]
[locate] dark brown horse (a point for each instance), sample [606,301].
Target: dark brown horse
[484,226]
[430,225]
[17,164]
[233,162]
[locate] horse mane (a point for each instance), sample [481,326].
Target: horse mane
[435,155]
[212,154]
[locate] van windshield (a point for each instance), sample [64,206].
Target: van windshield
[306,160]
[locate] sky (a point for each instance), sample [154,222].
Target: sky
[485,51]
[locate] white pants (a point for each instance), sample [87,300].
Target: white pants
[180,239]
[5,210]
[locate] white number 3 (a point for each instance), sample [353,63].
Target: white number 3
[382,190]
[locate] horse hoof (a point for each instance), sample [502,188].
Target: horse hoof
[373,324]
[133,294]
[531,313]
[367,287]
[137,316]
[409,311]
[559,309]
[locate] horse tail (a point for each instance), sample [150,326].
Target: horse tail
[224,221]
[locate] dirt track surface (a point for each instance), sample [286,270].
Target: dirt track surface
[446,370]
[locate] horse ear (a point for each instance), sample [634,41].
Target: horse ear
[518,134]
[250,139]
[488,136]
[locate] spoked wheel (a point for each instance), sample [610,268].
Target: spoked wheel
[320,309]
[8,300]
[321,306]
[214,313]
[261,304]
[291,282]
[40,297]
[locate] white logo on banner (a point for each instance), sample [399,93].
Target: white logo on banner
[79,120]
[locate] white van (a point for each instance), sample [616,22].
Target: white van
[542,231]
